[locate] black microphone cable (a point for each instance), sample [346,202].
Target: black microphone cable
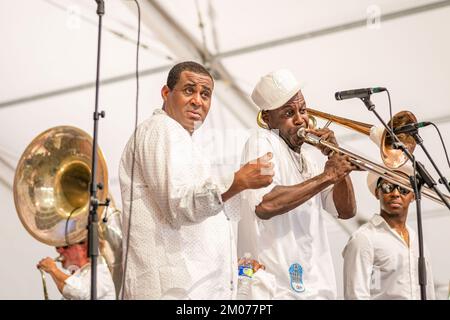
[66,227]
[390,110]
[434,125]
[442,141]
[125,262]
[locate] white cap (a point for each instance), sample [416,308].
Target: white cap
[372,178]
[275,89]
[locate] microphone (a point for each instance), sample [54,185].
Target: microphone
[409,128]
[357,93]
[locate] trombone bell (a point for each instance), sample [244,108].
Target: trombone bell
[393,158]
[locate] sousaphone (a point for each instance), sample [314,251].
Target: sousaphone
[51,193]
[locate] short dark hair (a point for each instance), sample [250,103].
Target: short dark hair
[175,72]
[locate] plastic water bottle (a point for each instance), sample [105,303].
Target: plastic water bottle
[245,276]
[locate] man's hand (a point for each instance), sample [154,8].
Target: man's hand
[256,173]
[253,175]
[324,134]
[47,264]
[338,166]
[256,265]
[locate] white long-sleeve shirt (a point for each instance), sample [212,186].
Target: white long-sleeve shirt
[379,265]
[293,246]
[78,285]
[181,242]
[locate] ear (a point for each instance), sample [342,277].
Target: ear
[165,92]
[265,117]
[377,194]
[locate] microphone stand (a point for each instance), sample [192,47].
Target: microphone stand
[416,182]
[94,202]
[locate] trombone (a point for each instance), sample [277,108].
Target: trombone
[391,157]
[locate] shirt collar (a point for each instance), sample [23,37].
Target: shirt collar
[379,222]
[159,111]
[298,157]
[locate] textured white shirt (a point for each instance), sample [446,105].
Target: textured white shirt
[293,246]
[379,265]
[181,242]
[78,285]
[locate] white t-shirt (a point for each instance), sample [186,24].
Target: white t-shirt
[293,246]
[78,285]
[379,265]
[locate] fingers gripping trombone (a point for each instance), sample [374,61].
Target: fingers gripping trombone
[44,282]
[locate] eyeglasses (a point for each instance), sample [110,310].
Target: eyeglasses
[66,247]
[387,187]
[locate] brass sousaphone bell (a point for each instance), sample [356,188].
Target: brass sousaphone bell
[51,193]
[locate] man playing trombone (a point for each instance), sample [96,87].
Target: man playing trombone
[282,225]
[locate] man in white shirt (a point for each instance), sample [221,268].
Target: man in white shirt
[381,257]
[181,244]
[77,285]
[282,225]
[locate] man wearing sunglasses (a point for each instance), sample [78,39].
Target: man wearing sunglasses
[381,257]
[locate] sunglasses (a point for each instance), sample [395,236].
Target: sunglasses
[387,187]
[66,247]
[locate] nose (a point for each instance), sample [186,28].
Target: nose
[196,99]
[395,193]
[299,120]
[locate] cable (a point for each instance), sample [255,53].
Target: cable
[125,263]
[390,110]
[442,141]
[66,233]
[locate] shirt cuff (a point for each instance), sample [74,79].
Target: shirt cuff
[224,183]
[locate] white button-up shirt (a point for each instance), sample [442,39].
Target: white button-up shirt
[293,246]
[78,285]
[379,265]
[181,242]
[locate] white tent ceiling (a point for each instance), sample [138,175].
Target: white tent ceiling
[48,61]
